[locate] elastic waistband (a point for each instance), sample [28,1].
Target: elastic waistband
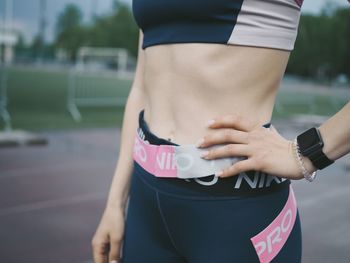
[204,183]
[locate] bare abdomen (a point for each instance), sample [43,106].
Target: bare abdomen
[188,84]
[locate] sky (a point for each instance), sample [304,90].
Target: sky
[26,12]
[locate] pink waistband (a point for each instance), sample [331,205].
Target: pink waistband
[181,161]
[271,240]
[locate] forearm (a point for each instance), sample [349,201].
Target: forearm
[336,134]
[120,185]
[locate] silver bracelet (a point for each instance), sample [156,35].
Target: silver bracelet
[307,175]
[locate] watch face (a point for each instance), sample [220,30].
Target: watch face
[309,141]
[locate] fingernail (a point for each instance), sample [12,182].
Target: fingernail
[204,154]
[219,173]
[114,261]
[210,122]
[199,142]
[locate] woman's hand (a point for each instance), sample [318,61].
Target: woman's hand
[266,150]
[108,237]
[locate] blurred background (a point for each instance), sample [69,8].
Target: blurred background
[66,68]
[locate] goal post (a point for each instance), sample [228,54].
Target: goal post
[93,81]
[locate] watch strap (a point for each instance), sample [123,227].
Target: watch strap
[320,160]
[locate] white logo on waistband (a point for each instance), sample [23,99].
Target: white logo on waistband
[207,183]
[171,161]
[140,151]
[260,180]
[168,161]
[141,133]
[275,236]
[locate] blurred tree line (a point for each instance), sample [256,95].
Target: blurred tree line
[116,30]
[321,49]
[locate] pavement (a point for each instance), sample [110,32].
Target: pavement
[9,138]
[52,197]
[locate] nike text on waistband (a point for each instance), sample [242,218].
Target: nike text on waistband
[181,161]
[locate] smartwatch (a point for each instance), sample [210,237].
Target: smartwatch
[310,144]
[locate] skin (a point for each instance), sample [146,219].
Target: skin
[266,149]
[184,86]
[188,84]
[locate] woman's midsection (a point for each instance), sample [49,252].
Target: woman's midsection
[188,84]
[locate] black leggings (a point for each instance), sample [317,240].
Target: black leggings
[168,223]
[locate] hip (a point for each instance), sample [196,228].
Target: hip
[181,173]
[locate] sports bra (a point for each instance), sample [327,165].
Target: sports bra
[259,23]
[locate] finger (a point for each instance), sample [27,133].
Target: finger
[100,251]
[231,121]
[237,168]
[114,252]
[228,150]
[223,136]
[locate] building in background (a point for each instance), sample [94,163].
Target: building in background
[8,35]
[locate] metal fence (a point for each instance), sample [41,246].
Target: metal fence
[308,99]
[90,79]
[92,89]
[4,113]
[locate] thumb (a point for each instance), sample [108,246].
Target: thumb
[114,252]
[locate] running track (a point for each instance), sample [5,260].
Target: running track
[52,197]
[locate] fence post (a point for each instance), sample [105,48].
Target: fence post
[5,115]
[85,88]
[71,103]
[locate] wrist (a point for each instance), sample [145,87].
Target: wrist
[308,164]
[118,196]
[116,204]
[310,145]
[307,170]
[330,152]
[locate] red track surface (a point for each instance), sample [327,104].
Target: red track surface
[52,197]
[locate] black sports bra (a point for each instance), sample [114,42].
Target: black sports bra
[260,23]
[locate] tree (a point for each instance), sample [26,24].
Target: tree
[71,34]
[116,30]
[70,17]
[321,49]
[21,45]
[341,52]
[37,47]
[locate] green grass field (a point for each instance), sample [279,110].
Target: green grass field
[38,98]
